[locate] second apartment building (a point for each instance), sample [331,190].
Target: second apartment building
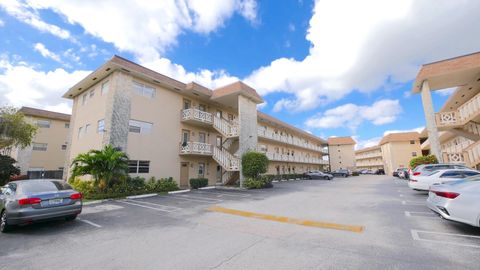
[172,129]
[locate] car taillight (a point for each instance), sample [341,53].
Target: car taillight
[76,196]
[445,194]
[417,173]
[27,201]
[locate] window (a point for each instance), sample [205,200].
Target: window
[43,123]
[470,173]
[412,142]
[139,127]
[64,147]
[84,99]
[144,90]
[80,131]
[67,125]
[100,126]
[185,136]
[201,169]
[87,127]
[186,104]
[202,107]
[219,142]
[452,174]
[104,89]
[201,137]
[39,147]
[92,93]
[219,114]
[138,166]
[414,154]
[263,148]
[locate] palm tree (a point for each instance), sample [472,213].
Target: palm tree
[104,165]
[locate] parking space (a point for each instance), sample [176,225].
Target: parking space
[362,222]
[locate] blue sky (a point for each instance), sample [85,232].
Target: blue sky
[333,68]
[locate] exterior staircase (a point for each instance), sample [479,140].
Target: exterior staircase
[226,128]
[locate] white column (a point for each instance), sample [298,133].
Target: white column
[431,126]
[247,116]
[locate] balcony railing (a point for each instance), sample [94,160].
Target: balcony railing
[196,148]
[456,157]
[289,140]
[460,116]
[197,115]
[296,159]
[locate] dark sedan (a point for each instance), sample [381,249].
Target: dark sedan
[28,201]
[318,175]
[341,172]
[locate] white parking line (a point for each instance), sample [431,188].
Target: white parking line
[416,236]
[197,199]
[420,214]
[412,203]
[148,207]
[89,222]
[174,208]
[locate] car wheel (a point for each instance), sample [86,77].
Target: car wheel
[325,178]
[4,227]
[70,218]
[309,177]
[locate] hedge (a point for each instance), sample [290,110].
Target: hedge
[254,164]
[263,181]
[430,159]
[196,183]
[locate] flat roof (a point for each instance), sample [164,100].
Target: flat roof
[400,137]
[45,114]
[341,140]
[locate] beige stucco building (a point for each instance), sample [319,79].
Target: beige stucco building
[454,131]
[172,129]
[49,146]
[369,158]
[398,149]
[341,153]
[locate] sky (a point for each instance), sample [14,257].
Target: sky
[330,67]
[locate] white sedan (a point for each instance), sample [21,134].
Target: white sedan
[424,181]
[457,201]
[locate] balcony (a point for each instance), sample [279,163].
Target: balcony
[469,111]
[456,157]
[295,159]
[196,148]
[196,117]
[290,140]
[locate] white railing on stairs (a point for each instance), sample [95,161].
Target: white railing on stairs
[225,127]
[226,160]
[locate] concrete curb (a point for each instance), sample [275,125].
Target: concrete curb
[179,191]
[209,187]
[275,181]
[96,202]
[142,196]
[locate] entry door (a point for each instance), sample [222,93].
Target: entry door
[184,174]
[185,137]
[219,174]
[219,142]
[201,137]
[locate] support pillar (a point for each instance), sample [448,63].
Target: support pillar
[431,125]
[247,116]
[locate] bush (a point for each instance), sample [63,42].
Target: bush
[7,169]
[257,183]
[355,173]
[430,159]
[198,182]
[254,164]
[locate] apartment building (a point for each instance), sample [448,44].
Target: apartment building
[369,158]
[49,146]
[454,131]
[341,153]
[172,129]
[398,149]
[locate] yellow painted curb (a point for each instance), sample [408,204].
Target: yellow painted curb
[303,222]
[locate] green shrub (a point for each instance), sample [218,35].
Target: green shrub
[270,177]
[254,164]
[7,169]
[198,182]
[430,159]
[355,174]
[166,185]
[257,183]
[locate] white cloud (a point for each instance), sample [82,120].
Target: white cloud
[368,46]
[147,28]
[2,23]
[366,143]
[418,129]
[351,115]
[39,47]
[262,105]
[26,14]
[23,85]
[446,91]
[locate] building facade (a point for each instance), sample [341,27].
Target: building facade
[49,146]
[398,149]
[172,129]
[369,158]
[454,131]
[341,153]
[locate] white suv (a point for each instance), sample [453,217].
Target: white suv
[428,168]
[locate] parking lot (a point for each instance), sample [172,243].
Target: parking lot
[364,222]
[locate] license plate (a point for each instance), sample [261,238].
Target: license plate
[55,201]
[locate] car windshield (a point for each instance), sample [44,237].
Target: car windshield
[42,186]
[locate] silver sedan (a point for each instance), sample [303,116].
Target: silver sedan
[28,201]
[457,201]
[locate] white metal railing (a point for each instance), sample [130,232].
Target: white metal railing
[453,157]
[461,115]
[228,129]
[226,160]
[469,108]
[289,140]
[473,154]
[297,159]
[197,115]
[447,118]
[196,148]
[367,156]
